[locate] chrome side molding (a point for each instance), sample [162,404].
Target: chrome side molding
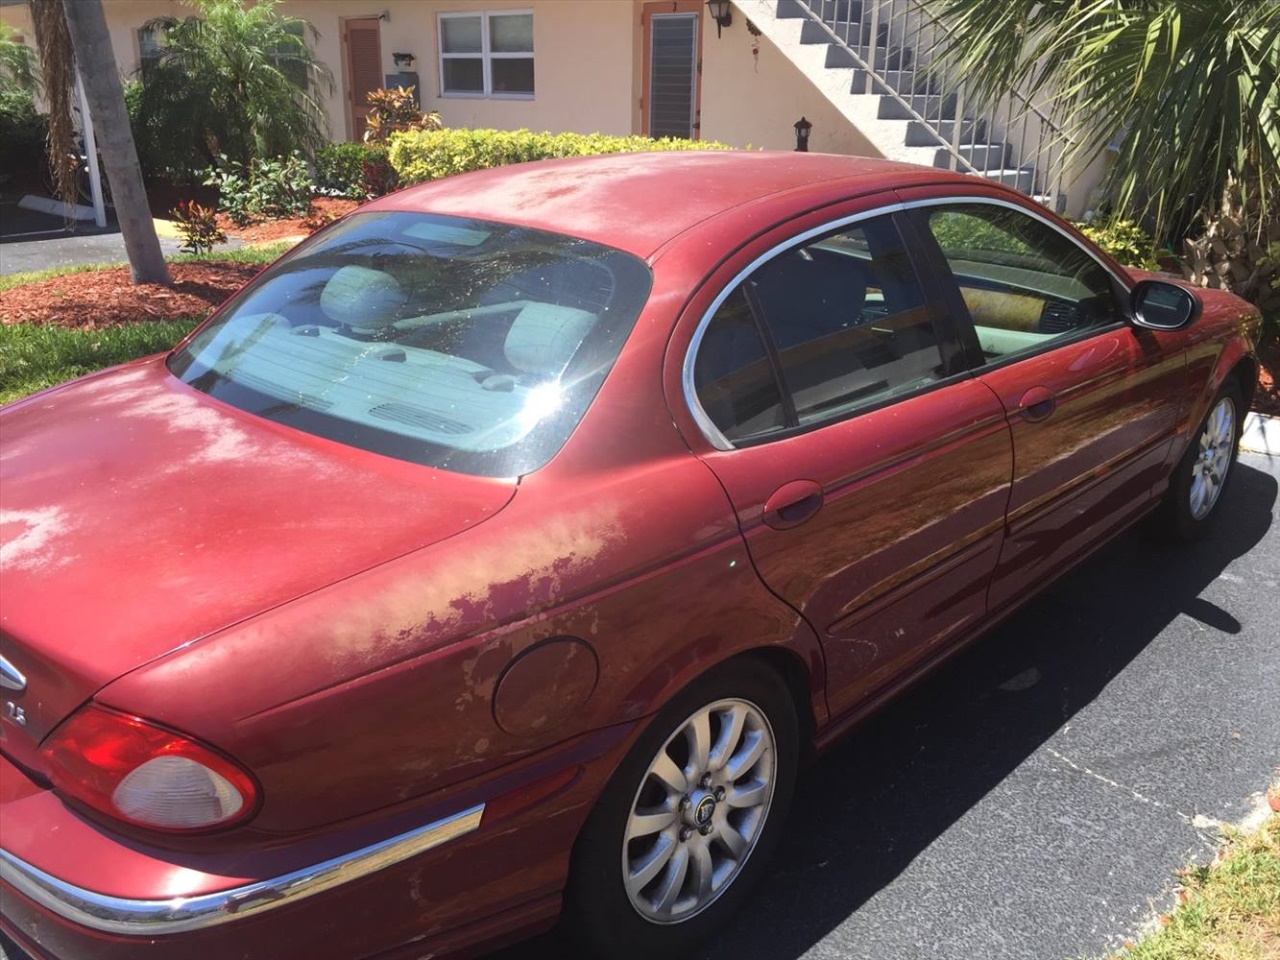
[153,918]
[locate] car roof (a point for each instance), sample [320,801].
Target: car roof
[637,202]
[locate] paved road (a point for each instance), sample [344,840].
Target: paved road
[1033,798]
[30,240]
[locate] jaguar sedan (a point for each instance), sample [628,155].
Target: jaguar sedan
[500,554]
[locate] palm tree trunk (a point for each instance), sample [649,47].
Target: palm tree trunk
[87,24]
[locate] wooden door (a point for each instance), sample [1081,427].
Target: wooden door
[671,104]
[363,47]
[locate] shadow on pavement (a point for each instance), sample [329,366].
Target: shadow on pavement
[866,810]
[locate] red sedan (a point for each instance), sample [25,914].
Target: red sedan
[500,553]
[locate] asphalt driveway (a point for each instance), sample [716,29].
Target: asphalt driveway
[1034,797]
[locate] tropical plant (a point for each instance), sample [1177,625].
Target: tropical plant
[198,226]
[236,80]
[1186,91]
[267,188]
[17,63]
[396,110]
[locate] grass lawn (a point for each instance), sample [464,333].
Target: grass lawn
[35,357]
[1231,910]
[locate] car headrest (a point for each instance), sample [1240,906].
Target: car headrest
[543,337]
[362,298]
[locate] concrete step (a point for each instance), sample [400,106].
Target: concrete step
[931,107]
[971,132]
[903,81]
[854,34]
[833,11]
[1022,179]
[983,156]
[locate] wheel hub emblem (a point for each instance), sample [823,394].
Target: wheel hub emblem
[704,811]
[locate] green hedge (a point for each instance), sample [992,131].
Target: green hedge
[431,154]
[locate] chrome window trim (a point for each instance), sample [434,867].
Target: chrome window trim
[705,423]
[709,430]
[152,918]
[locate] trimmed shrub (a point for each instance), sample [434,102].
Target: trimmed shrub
[340,170]
[357,171]
[1124,240]
[431,154]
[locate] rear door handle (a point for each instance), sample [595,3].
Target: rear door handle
[1038,403]
[792,504]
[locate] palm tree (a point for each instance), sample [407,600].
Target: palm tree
[71,34]
[1187,91]
[236,80]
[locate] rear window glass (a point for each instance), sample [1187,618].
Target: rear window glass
[461,344]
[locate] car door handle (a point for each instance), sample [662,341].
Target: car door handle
[1038,403]
[792,504]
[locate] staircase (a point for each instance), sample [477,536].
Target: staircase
[877,62]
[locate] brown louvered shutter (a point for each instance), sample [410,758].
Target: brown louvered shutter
[364,69]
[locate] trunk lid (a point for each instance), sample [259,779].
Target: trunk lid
[138,515]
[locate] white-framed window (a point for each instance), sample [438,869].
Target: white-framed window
[487,54]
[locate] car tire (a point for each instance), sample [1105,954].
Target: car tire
[1200,480]
[675,843]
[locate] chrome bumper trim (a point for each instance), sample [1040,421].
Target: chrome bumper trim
[151,918]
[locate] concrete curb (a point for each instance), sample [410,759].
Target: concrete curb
[1261,435]
[74,211]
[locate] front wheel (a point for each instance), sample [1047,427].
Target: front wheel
[688,821]
[1200,479]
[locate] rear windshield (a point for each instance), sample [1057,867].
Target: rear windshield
[461,344]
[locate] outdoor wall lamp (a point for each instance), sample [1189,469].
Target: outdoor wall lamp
[403,59]
[721,13]
[802,128]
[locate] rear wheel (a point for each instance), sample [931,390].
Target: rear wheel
[687,823]
[1201,477]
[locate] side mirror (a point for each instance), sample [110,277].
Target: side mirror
[1158,305]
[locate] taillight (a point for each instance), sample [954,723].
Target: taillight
[146,775]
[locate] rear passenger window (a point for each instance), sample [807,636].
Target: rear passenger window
[817,332]
[736,383]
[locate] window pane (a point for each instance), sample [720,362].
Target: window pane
[734,381]
[1023,282]
[464,75]
[848,320]
[513,76]
[463,344]
[511,33]
[460,34]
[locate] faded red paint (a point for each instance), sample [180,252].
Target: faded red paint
[340,622]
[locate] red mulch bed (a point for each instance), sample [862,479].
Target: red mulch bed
[1267,399]
[104,298]
[323,210]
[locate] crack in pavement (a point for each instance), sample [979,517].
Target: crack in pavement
[1199,821]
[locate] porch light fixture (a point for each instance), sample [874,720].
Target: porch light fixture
[721,13]
[802,128]
[403,59]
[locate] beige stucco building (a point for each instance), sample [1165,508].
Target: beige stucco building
[657,67]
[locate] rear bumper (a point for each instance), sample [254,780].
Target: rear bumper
[152,918]
[475,869]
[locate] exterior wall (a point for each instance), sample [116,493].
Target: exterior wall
[588,60]
[582,61]
[755,102]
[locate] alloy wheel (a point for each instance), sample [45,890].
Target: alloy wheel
[1213,458]
[699,812]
